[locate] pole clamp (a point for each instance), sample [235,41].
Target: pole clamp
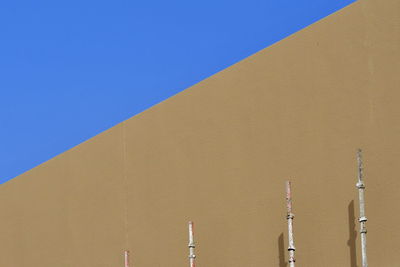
[360,185]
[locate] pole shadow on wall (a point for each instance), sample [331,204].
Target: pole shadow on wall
[351,243]
[281,251]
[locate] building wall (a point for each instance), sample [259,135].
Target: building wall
[219,154]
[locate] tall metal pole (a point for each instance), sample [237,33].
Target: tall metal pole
[290,217]
[126,258]
[363,228]
[192,256]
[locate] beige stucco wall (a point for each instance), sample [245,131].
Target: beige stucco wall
[219,154]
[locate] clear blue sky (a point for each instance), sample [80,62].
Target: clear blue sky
[72,69]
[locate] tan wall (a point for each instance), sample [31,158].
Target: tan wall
[219,154]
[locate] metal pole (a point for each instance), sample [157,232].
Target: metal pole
[192,246]
[126,257]
[290,217]
[361,191]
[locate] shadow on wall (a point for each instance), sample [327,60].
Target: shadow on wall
[352,235]
[281,251]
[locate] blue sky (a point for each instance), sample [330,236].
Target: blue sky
[72,69]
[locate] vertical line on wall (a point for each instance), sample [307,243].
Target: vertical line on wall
[126,231]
